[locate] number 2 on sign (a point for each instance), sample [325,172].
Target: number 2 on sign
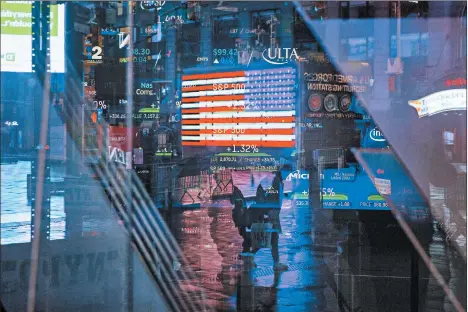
[97,53]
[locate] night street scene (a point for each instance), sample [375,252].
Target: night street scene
[257,156]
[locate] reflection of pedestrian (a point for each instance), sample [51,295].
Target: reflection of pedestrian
[277,188]
[240,216]
[241,221]
[268,216]
[237,194]
[260,195]
[261,212]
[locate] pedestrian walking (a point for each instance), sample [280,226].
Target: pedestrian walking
[240,217]
[266,214]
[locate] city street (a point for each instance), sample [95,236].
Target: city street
[326,268]
[328,264]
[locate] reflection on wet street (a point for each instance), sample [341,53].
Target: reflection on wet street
[329,266]
[212,245]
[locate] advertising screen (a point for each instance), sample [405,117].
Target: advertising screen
[117,145]
[16,37]
[239,111]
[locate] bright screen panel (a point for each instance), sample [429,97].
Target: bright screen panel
[16,38]
[246,111]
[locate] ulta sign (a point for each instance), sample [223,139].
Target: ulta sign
[279,56]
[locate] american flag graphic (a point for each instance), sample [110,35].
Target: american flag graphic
[255,107]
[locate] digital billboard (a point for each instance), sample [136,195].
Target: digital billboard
[16,37]
[239,111]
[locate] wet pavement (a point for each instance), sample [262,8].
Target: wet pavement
[212,244]
[331,266]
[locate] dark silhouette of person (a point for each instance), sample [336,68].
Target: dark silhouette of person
[269,215]
[260,195]
[276,188]
[240,217]
[237,194]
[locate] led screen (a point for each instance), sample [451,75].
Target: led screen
[16,38]
[239,111]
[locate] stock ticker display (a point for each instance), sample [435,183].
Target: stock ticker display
[243,111]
